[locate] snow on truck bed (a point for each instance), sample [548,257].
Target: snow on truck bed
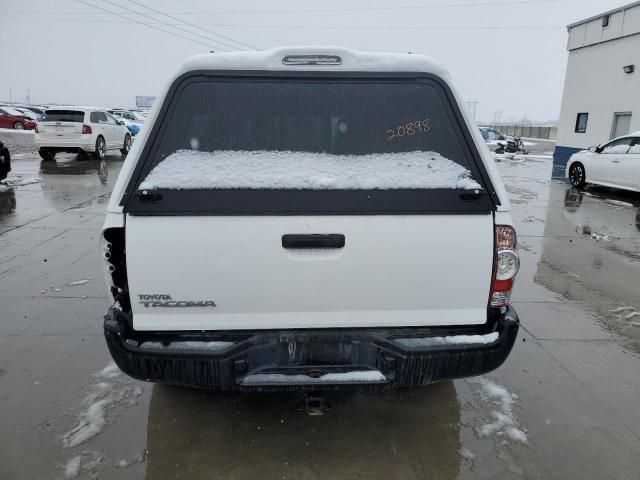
[194,170]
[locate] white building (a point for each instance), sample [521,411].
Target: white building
[601,97]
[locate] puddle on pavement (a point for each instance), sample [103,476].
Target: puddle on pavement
[590,250]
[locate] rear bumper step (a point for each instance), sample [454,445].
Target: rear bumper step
[265,360]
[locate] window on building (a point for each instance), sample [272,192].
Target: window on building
[621,124]
[605,21]
[581,122]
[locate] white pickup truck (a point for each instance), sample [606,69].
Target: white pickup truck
[309,218]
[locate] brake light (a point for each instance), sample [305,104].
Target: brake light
[506,266]
[86,129]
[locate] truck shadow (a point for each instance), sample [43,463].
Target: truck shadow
[404,434]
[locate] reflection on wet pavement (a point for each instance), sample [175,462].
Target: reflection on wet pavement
[206,435]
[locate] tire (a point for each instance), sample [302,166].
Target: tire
[5,163]
[47,155]
[101,149]
[18,126]
[127,145]
[577,175]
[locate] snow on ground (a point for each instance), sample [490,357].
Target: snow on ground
[19,181]
[72,468]
[87,462]
[192,170]
[466,454]
[451,340]
[79,282]
[502,420]
[104,396]
[11,130]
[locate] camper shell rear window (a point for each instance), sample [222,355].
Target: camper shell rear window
[268,143]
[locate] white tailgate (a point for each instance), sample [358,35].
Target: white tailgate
[393,271]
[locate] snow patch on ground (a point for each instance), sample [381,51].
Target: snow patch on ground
[346,377]
[87,462]
[13,130]
[21,182]
[467,454]
[79,282]
[451,340]
[125,462]
[193,170]
[103,397]
[72,468]
[503,422]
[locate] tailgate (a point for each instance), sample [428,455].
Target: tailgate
[392,271]
[383,171]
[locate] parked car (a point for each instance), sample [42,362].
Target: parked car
[309,226]
[127,115]
[27,113]
[613,164]
[80,130]
[5,161]
[12,118]
[491,137]
[37,110]
[134,128]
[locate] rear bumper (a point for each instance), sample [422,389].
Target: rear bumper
[266,360]
[62,144]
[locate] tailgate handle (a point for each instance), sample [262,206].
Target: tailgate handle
[313,240]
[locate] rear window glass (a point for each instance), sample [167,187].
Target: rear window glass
[62,116]
[310,135]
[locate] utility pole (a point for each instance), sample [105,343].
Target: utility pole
[472,105]
[28,96]
[497,117]
[10,97]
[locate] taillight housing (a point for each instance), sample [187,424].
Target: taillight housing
[86,129]
[506,266]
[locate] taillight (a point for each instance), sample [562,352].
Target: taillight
[506,266]
[86,129]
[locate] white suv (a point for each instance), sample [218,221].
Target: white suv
[309,218]
[82,130]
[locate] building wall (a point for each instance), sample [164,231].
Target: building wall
[595,83]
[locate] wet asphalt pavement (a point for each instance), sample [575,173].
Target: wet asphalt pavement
[571,384]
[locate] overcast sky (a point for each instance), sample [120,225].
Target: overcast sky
[509,55]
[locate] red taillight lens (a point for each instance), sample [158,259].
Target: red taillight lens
[506,266]
[86,129]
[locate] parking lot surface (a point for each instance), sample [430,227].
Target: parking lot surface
[564,405]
